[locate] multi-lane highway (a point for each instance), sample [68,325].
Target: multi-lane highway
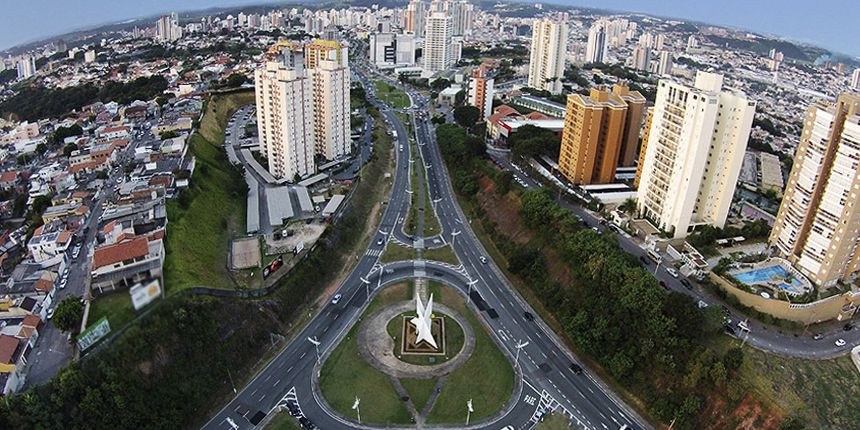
[547,381]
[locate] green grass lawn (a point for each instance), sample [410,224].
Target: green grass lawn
[345,375]
[825,392]
[444,254]
[394,96]
[205,215]
[283,421]
[454,339]
[554,422]
[419,390]
[487,377]
[114,305]
[395,252]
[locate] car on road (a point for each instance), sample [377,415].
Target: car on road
[231,423]
[847,327]
[483,259]
[687,284]
[576,369]
[817,336]
[663,284]
[528,316]
[840,342]
[336,299]
[492,313]
[672,272]
[63,282]
[380,241]
[50,313]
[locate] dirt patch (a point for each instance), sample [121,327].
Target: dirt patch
[504,213]
[750,414]
[245,253]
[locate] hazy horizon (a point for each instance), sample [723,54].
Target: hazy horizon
[806,22]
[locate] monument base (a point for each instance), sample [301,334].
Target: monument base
[409,335]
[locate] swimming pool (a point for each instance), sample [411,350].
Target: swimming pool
[765,274]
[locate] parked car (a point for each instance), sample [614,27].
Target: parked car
[817,336]
[672,272]
[336,299]
[687,284]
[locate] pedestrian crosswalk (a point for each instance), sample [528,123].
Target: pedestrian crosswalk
[373,252]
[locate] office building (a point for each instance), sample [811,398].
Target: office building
[855,79]
[415,14]
[285,118]
[481,91]
[598,43]
[437,50]
[817,227]
[641,58]
[388,50]
[695,148]
[26,66]
[90,56]
[548,50]
[601,132]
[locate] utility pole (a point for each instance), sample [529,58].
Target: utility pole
[316,344]
[356,408]
[231,381]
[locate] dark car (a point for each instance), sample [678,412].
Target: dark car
[528,316]
[306,423]
[577,369]
[643,259]
[663,284]
[687,284]
[847,327]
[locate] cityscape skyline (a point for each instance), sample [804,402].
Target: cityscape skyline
[30,24]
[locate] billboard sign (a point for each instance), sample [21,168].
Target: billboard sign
[93,333]
[143,294]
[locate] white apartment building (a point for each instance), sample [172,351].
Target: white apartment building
[548,50]
[388,50]
[330,82]
[855,79]
[26,66]
[598,43]
[818,224]
[437,42]
[285,120]
[693,153]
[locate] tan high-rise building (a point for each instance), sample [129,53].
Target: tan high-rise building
[649,117]
[322,49]
[696,144]
[627,155]
[481,91]
[591,140]
[818,224]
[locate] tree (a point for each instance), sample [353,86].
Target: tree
[68,149]
[440,84]
[503,182]
[170,134]
[68,315]
[236,80]
[629,206]
[101,174]
[466,116]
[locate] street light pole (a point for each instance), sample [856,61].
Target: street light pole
[473,282]
[357,409]
[658,266]
[469,411]
[520,345]
[454,236]
[316,344]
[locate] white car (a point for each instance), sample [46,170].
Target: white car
[336,299]
[50,313]
[672,272]
[840,342]
[483,259]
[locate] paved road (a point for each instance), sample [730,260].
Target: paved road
[54,349]
[548,382]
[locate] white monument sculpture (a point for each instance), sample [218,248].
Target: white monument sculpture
[423,323]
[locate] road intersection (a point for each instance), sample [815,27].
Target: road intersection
[547,382]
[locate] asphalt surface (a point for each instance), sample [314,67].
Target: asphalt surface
[548,383]
[54,348]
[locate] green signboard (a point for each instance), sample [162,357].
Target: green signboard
[93,333]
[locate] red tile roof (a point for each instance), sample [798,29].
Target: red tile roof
[10,176]
[112,254]
[8,346]
[502,111]
[32,321]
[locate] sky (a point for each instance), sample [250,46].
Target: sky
[831,24]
